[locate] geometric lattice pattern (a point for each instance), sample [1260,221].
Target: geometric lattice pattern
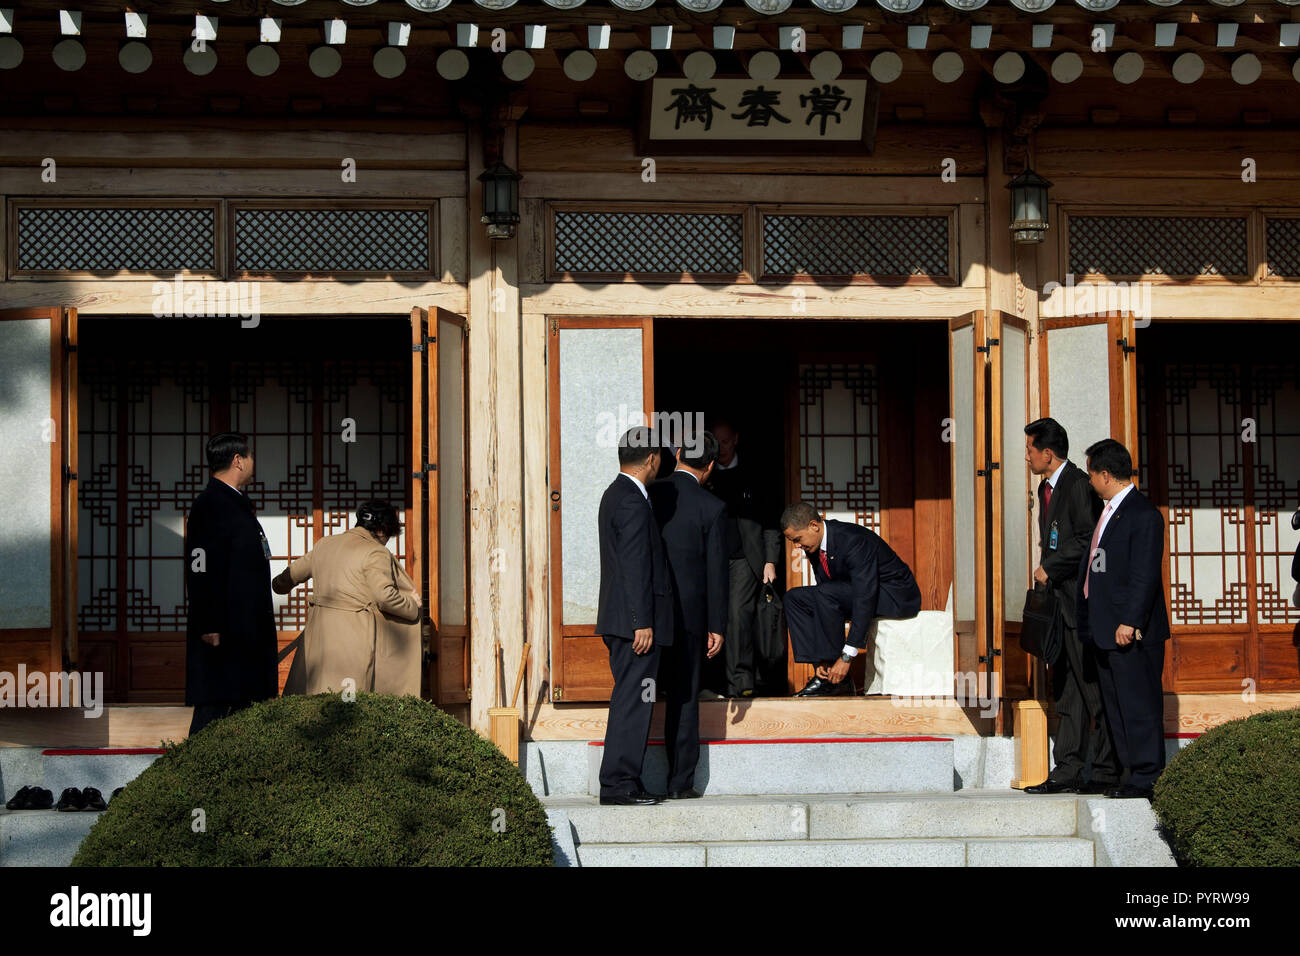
[1275,492]
[116,239]
[331,240]
[1282,247]
[839,444]
[855,245]
[1158,245]
[649,243]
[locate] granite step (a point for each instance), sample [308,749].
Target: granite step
[42,837]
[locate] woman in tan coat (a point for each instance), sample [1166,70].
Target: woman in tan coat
[364,617]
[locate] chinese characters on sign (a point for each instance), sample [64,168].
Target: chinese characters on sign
[789,111]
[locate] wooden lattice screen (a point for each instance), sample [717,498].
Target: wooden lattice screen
[882,246]
[1183,246]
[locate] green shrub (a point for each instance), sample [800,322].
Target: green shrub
[318,781]
[1232,798]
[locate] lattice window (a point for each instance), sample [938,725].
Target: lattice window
[839,444]
[1275,404]
[855,245]
[324,240]
[1206,494]
[649,243]
[97,551]
[1158,245]
[1282,247]
[152,239]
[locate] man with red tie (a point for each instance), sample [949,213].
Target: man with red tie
[859,578]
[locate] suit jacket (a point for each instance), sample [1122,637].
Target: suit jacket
[1074,510]
[755,519]
[230,596]
[694,526]
[636,590]
[1130,590]
[870,565]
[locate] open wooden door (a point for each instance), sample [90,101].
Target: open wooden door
[38,401]
[601,382]
[976,655]
[437,548]
[1012,500]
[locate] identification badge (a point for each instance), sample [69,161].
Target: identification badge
[1054,538]
[266,545]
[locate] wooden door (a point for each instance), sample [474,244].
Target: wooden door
[38,484]
[601,382]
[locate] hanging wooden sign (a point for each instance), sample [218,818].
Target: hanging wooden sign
[749,116]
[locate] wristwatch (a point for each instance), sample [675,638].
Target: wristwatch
[846,658]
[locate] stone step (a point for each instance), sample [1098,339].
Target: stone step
[803,765]
[825,817]
[1013,851]
[42,837]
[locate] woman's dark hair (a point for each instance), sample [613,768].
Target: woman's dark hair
[379,517]
[222,449]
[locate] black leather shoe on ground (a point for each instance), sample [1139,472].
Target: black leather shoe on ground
[691,794]
[39,799]
[637,799]
[1126,791]
[1098,786]
[94,800]
[1053,786]
[71,799]
[19,800]
[821,687]
[116,792]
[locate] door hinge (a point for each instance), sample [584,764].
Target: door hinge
[69,474]
[1124,347]
[423,473]
[555,326]
[557,693]
[988,344]
[982,473]
[997,652]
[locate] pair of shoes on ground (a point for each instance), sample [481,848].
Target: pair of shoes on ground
[1123,791]
[823,687]
[38,798]
[643,798]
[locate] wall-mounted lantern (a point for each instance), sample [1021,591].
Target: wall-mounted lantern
[500,200]
[1029,206]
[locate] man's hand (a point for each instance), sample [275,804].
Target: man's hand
[213,639]
[715,645]
[1123,635]
[642,640]
[769,573]
[839,670]
[1040,575]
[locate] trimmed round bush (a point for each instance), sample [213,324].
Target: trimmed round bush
[1232,798]
[320,781]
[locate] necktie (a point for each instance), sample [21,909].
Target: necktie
[825,564]
[1047,496]
[1092,548]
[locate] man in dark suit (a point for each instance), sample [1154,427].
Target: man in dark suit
[1121,609]
[695,538]
[753,553]
[634,616]
[859,578]
[231,653]
[1067,514]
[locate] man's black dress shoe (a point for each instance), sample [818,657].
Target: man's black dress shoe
[638,798]
[821,687]
[19,800]
[1098,786]
[116,792]
[94,800]
[38,798]
[1053,786]
[71,799]
[1126,791]
[691,794]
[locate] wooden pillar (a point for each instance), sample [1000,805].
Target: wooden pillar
[496,540]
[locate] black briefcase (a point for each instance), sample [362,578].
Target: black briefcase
[769,643]
[1041,628]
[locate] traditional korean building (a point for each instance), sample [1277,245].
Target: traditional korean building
[272,217]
